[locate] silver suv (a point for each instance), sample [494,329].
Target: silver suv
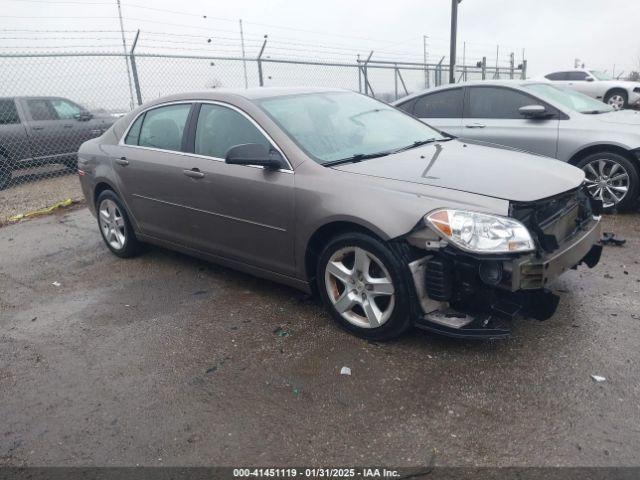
[541,118]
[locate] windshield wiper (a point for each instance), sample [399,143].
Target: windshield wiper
[419,143]
[594,112]
[358,157]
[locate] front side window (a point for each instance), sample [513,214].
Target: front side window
[65,110]
[163,127]
[220,128]
[600,75]
[8,112]
[331,126]
[495,102]
[577,76]
[446,104]
[41,109]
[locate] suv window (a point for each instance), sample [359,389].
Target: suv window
[556,76]
[163,127]
[496,102]
[220,128]
[576,76]
[64,109]
[8,112]
[445,104]
[41,109]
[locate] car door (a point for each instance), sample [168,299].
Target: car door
[77,123]
[441,109]
[491,115]
[149,163]
[48,136]
[13,134]
[581,82]
[243,213]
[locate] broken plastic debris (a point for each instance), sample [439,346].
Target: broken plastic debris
[56,284]
[345,371]
[609,238]
[598,378]
[281,332]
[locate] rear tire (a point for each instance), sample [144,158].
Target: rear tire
[617,98]
[5,173]
[115,227]
[365,286]
[607,174]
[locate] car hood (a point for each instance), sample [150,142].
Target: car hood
[495,172]
[620,117]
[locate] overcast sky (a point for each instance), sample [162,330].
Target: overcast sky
[553,32]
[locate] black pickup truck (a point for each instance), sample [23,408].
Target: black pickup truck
[37,131]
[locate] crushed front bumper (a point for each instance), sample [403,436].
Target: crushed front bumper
[464,305]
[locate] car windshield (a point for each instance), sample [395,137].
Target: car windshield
[600,75]
[569,98]
[335,126]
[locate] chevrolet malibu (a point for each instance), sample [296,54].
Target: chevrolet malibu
[388,221]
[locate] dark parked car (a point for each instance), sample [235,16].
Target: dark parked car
[36,131]
[329,191]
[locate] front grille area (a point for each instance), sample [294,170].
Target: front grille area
[553,220]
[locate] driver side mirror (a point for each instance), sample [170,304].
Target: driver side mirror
[534,111]
[254,154]
[589,79]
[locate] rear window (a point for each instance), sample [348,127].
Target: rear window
[445,104]
[163,127]
[556,76]
[8,112]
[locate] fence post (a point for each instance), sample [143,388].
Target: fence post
[511,65]
[395,80]
[359,75]
[439,72]
[484,68]
[365,73]
[524,69]
[259,60]
[134,69]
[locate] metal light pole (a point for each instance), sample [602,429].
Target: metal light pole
[454,35]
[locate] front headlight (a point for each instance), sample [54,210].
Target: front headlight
[480,232]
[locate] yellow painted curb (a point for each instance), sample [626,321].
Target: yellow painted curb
[44,211]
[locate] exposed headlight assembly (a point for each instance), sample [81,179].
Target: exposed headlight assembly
[480,232]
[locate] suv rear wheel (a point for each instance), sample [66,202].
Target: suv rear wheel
[5,173]
[364,286]
[612,178]
[115,227]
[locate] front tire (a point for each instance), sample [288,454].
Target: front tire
[5,173]
[364,286]
[115,227]
[618,99]
[612,178]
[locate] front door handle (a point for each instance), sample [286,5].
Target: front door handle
[68,125]
[122,161]
[38,128]
[475,125]
[193,173]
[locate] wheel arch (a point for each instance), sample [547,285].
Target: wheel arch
[605,147]
[319,239]
[616,89]
[100,187]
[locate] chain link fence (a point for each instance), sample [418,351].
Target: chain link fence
[52,103]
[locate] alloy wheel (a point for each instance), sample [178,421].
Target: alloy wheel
[607,181]
[359,287]
[616,101]
[112,224]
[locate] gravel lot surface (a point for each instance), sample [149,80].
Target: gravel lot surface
[167,360]
[33,191]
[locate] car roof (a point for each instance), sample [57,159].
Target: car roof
[254,93]
[485,83]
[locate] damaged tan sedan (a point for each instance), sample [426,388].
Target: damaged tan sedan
[391,223]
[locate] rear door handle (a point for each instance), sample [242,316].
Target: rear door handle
[122,161]
[475,125]
[193,173]
[68,125]
[38,128]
